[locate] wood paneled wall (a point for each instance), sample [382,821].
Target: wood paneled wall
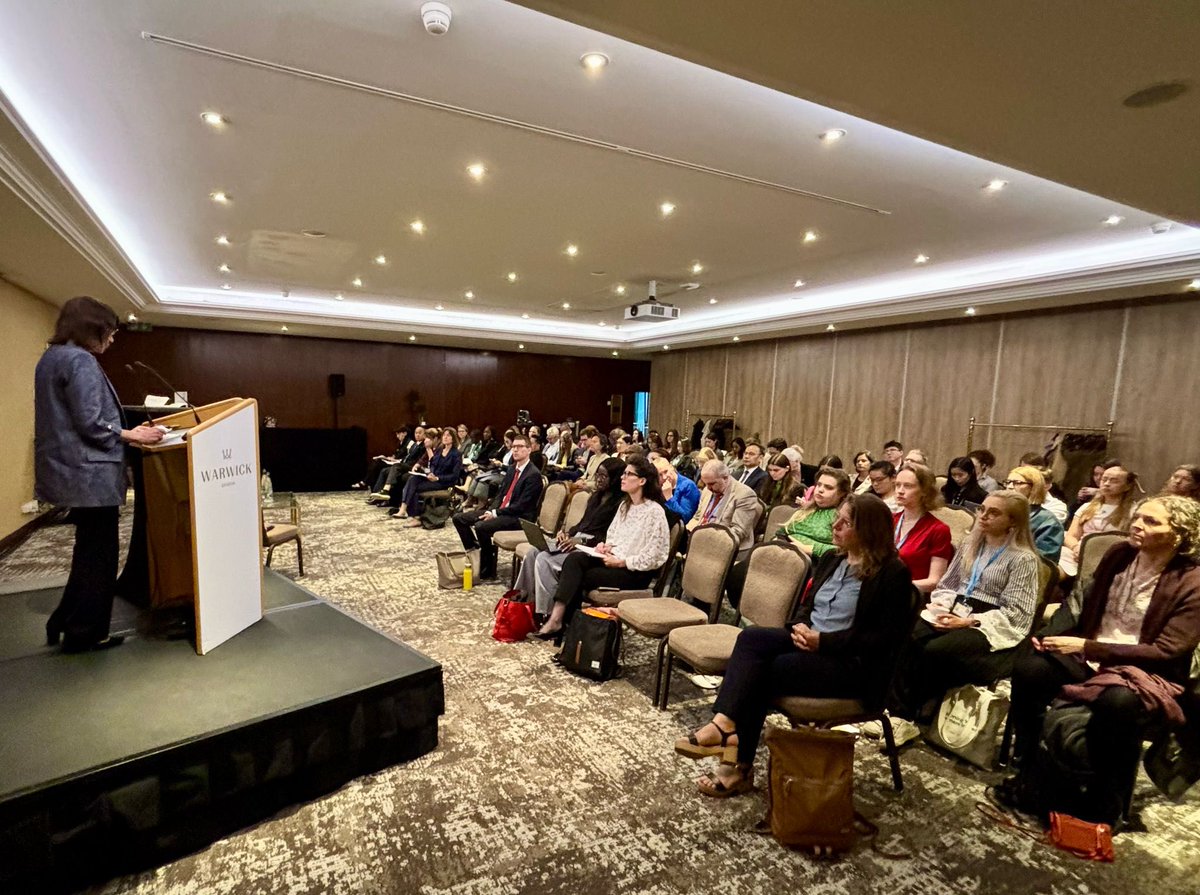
[386,383]
[1137,363]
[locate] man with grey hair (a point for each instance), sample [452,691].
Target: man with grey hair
[726,501]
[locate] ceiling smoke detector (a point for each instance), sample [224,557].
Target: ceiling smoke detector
[436,17]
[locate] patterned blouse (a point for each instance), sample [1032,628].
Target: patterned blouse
[814,529]
[639,535]
[1008,580]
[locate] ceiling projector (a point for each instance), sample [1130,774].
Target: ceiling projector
[652,309]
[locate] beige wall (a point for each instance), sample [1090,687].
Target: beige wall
[28,323]
[1136,363]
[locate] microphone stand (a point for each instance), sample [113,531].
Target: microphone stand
[170,388]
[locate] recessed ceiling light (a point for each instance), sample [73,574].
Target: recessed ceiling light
[524,316]
[830,328]
[995,185]
[572,249]
[697,267]
[1194,285]
[469,295]
[1112,220]
[412,338]
[616,354]
[811,236]
[970,312]
[737,338]
[712,301]
[357,281]
[832,135]
[226,286]
[417,226]
[512,276]
[340,297]
[381,260]
[222,240]
[214,119]
[439,307]
[283,329]
[620,290]
[314,234]
[566,306]
[220,197]
[921,259]
[224,268]
[132,318]
[666,347]
[593,61]
[521,346]
[477,171]
[797,284]
[666,208]
[601,323]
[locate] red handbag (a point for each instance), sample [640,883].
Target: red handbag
[514,618]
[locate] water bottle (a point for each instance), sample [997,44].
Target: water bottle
[467,580]
[268,490]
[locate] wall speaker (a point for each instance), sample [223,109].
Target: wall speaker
[337,385]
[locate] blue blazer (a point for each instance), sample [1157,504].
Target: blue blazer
[78,453]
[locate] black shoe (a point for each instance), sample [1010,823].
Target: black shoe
[107,643]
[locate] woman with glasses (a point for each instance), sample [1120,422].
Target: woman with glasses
[977,615]
[634,548]
[1109,510]
[841,645]
[1047,531]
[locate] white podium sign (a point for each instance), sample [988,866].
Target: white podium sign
[226,524]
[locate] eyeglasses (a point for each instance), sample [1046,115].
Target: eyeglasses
[842,522]
[991,513]
[1013,483]
[627,473]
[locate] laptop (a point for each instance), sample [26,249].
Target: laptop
[537,537]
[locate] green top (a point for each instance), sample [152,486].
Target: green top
[815,530]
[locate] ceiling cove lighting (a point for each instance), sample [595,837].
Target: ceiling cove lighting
[833,135]
[512,276]
[666,347]
[995,185]
[666,209]
[572,249]
[1112,220]
[970,312]
[737,338]
[476,171]
[220,197]
[831,328]
[811,236]
[283,329]
[1194,285]
[417,226]
[921,259]
[214,119]
[594,61]
[616,354]
[520,346]
[222,240]
[412,338]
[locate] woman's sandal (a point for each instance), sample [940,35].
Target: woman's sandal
[714,788]
[689,747]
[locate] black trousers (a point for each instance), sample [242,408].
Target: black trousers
[581,573]
[85,610]
[936,661]
[476,534]
[765,664]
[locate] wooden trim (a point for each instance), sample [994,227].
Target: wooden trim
[16,538]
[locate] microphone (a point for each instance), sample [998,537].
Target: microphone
[170,388]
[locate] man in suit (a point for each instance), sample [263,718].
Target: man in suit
[727,502]
[752,472]
[517,499]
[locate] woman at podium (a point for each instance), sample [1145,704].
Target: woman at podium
[79,432]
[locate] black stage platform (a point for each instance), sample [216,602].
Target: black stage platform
[119,760]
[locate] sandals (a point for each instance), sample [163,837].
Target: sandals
[689,747]
[715,789]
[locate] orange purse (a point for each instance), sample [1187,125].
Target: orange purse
[1080,838]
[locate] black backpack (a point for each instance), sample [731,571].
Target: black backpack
[1066,781]
[591,646]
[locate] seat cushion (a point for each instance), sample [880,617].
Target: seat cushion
[508,540]
[523,550]
[808,708]
[280,533]
[706,648]
[658,616]
[611,597]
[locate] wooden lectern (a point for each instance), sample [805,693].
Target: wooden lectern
[203,518]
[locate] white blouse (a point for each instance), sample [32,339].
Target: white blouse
[639,535]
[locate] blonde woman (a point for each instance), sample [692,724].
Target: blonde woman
[1109,510]
[977,615]
[1046,529]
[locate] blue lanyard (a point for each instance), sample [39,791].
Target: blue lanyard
[977,572]
[899,525]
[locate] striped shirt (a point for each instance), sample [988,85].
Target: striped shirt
[1009,583]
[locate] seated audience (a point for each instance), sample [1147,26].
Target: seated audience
[893,452]
[445,467]
[488,475]
[774,446]
[377,469]
[1087,492]
[918,456]
[417,468]
[961,484]
[681,494]
[809,473]
[1184,482]
[922,540]
[777,486]
[860,482]
[795,455]
[540,569]
[393,472]
[552,446]
[883,483]
[733,457]
[977,615]
[684,460]
[1047,531]
[712,442]
[984,461]
[671,444]
[1109,510]
[841,644]
[516,499]
[1055,506]
[726,502]
[1127,655]
[634,548]
[751,474]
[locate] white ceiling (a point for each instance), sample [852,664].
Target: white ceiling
[348,118]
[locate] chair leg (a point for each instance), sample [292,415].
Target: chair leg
[662,648]
[516,571]
[666,684]
[270,551]
[893,753]
[300,556]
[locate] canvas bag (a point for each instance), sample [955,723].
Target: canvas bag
[592,645]
[513,618]
[810,794]
[450,566]
[970,724]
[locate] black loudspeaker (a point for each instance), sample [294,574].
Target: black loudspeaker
[337,385]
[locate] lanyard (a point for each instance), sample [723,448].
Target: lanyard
[977,572]
[899,525]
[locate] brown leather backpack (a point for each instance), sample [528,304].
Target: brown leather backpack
[810,795]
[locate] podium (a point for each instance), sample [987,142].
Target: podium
[203,522]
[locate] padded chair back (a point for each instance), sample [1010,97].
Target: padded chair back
[554,498]
[710,554]
[958,520]
[774,578]
[668,568]
[575,509]
[1092,548]
[777,518]
[940,481]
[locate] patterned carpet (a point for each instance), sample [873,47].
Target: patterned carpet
[547,783]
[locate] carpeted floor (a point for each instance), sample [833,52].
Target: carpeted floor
[547,783]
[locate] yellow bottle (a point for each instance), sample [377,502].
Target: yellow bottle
[467,577]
